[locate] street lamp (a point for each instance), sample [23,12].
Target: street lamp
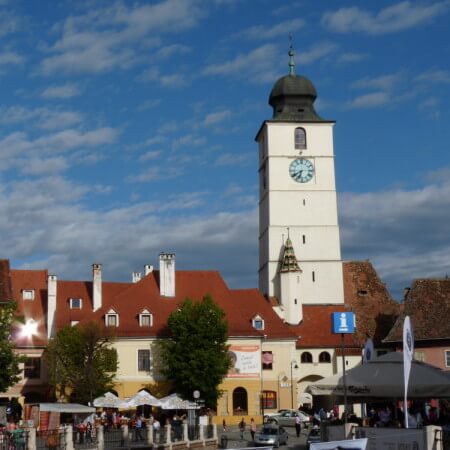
[293,366]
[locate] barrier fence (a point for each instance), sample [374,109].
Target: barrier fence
[100,438]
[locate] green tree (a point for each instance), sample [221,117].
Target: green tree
[9,360]
[195,358]
[81,362]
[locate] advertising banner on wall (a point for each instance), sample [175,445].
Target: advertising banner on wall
[245,361]
[355,444]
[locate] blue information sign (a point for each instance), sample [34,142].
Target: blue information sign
[343,322]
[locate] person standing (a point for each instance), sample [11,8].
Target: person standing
[252,428]
[298,425]
[242,428]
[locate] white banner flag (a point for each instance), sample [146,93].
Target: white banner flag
[368,351]
[408,352]
[355,444]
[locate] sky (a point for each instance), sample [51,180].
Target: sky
[127,129]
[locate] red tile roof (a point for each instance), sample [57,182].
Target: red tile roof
[428,305]
[129,299]
[35,309]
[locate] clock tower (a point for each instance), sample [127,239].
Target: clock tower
[297,199]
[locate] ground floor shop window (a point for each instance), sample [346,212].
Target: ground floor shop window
[270,400]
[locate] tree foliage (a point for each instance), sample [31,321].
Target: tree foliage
[9,360]
[81,362]
[195,358]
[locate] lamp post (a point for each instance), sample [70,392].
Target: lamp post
[293,366]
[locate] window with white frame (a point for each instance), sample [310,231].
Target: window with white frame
[145,318]
[28,294]
[111,319]
[74,322]
[144,360]
[76,303]
[258,323]
[447,358]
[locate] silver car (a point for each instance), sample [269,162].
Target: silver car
[271,435]
[287,418]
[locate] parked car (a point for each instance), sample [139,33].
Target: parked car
[271,435]
[287,418]
[313,436]
[267,416]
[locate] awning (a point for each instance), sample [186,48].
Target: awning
[71,408]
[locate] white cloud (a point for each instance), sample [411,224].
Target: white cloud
[9,58]
[394,18]
[232,159]
[257,65]
[67,90]
[44,118]
[385,82]
[156,173]
[44,166]
[170,50]
[260,32]
[375,99]
[350,57]
[109,38]
[149,104]
[317,52]
[404,231]
[216,117]
[148,156]
[171,81]
[434,76]
[188,140]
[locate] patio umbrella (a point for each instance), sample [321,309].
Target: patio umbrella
[142,398]
[174,401]
[109,400]
[382,377]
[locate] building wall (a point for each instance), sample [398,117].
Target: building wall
[433,355]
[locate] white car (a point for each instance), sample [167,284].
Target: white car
[271,435]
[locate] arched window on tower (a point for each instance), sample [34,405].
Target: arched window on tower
[306,358]
[324,357]
[240,401]
[300,138]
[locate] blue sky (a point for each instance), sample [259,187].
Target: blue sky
[127,128]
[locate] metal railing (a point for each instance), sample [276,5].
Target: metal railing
[51,440]
[13,440]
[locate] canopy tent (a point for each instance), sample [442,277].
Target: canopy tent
[142,398]
[174,401]
[382,377]
[109,400]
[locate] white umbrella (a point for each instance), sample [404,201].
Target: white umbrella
[142,398]
[382,377]
[174,401]
[109,400]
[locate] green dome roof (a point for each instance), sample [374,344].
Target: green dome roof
[292,99]
[292,85]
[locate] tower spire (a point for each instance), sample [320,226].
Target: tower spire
[289,261]
[291,54]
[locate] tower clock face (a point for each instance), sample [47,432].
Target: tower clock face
[301,170]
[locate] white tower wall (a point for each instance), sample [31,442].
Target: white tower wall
[308,209]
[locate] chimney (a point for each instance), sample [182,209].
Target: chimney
[167,274]
[148,269]
[136,277]
[96,286]
[406,293]
[51,305]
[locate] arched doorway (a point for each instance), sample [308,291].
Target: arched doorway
[240,401]
[302,385]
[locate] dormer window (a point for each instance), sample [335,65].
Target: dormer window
[145,318]
[111,319]
[28,294]
[76,303]
[258,323]
[300,139]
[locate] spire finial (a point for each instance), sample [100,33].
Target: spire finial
[287,231]
[291,55]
